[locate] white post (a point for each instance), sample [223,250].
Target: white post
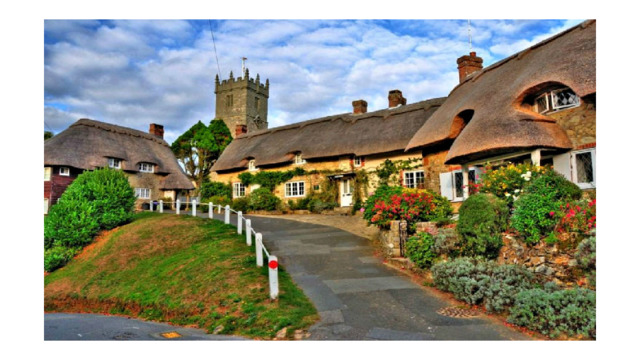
[219,209]
[248,221]
[240,222]
[151,205]
[193,207]
[210,210]
[273,276]
[259,260]
[535,157]
[465,181]
[178,207]
[161,209]
[227,214]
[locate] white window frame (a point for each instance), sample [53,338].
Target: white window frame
[47,174]
[143,193]
[252,165]
[64,171]
[298,160]
[357,161]
[294,189]
[451,192]
[574,168]
[239,190]
[115,163]
[414,183]
[146,167]
[550,100]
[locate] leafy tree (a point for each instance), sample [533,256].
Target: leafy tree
[199,148]
[48,135]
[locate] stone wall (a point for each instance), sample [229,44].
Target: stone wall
[579,122]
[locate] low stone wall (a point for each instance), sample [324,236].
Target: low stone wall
[390,240]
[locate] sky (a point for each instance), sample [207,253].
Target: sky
[136,72]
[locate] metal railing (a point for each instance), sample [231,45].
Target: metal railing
[250,232]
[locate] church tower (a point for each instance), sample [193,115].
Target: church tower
[242,103]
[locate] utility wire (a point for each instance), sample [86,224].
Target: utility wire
[214,48]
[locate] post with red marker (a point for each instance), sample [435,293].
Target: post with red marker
[273,276]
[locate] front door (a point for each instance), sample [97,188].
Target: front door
[346,191]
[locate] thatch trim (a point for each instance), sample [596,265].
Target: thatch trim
[87,144]
[331,136]
[494,93]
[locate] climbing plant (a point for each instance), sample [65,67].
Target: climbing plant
[388,171]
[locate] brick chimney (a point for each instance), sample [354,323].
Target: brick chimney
[468,64]
[157,130]
[396,98]
[241,129]
[359,106]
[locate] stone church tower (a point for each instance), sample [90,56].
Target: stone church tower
[242,103]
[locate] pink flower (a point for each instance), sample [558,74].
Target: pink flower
[361,209]
[551,213]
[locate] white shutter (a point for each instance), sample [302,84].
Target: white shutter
[562,164]
[446,185]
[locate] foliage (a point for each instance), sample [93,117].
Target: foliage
[420,250]
[48,135]
[447,242]
[263,199]
[240,204]
[57,256]
[576,220]
[270,179]
[413,206]
[382,193]
[209,189]
[556,312]
[586,254]
[483,218]
[360,188]
[507,182]
[70,223]
[199,148]
[215,200]
[477,281]
[388,171]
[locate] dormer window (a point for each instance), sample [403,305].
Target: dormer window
[556,100]
[358,161]
[145,167]
[252,165]
[64,171]
[114,163]
[298,160]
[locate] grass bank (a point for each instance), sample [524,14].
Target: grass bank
[183,270]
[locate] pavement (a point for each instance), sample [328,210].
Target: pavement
[356,295]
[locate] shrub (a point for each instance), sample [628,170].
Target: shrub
[477,281]
[446,242]
[576,220]
[317,205]
[263,199]
[507,182]
[382,193]
[420,250]
[240,204]
[555,312]
[215,189]
[215,200]
[70,223]
[412,206]
[57,257]
[483,218]
[586,254]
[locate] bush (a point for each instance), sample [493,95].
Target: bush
[446,242]
[57,257]
[410,205]
[556,312]
[508,182]
[586,254]
[70,223]
[382,193]
[240,204]
[419,249]
[215,189]
[215,200]
[263,199]
[317,205]
[476,281]
[483,218]
[576,220]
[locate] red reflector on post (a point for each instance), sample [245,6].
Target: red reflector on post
[273,264]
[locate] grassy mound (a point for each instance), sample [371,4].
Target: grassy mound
[182,270]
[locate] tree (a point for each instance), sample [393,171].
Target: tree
[199,148]
[48,135]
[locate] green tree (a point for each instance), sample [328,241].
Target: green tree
[200,147]
[48,135]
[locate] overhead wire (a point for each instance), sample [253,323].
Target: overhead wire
[214,48]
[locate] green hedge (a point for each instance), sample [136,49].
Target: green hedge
[483,218]
[420,249]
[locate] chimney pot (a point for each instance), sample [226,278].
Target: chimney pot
[241,129]
[468,64]
[396,98]
[157,130]
[359,106]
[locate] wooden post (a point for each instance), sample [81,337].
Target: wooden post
[240,222]
[248,221]
[227,214]
[259,260]
[178,207]
[210,210]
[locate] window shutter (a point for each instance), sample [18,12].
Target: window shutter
[362,161]
[562,164]
[446,185]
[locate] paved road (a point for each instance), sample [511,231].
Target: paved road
[356,295]
[59,326]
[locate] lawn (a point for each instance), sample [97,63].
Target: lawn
[183,270]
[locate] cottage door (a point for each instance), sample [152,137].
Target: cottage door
[345,192]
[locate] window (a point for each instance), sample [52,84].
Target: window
[294,189]
[114,163]
[358,161]
[452,184]
[414,179]
[142,193]
[145,167]
[252,165]
[64,171]
[458,192]
[238,190]
[555,100]
[229,100]
[47,174]
[583,169]
[298,160]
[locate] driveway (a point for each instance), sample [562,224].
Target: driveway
[357,296]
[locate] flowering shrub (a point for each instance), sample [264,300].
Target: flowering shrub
[577,219]
[508,182]
[411,206]
[382,193]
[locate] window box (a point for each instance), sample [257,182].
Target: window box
[294,189]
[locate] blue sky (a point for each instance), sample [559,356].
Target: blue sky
[135,72]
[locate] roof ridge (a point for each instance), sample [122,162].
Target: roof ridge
[119,129]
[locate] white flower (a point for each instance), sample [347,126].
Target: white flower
[507,194]
[517,191]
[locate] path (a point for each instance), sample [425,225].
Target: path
[356,295]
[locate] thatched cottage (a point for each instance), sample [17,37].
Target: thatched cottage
[146,159]
[536,106]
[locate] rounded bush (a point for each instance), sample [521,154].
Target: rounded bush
[586,254]
[483,218]
[263,199]
[419,249]
[215,189]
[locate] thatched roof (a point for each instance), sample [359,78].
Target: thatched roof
[87,144]
[344,134]
[499,124]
